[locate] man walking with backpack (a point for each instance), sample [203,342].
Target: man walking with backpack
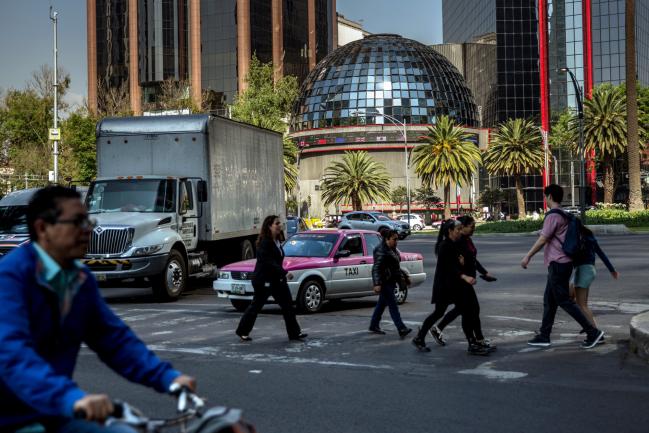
[557,290]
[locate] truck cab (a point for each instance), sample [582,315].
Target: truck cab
[146,227]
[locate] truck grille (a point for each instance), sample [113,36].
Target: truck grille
[110,240]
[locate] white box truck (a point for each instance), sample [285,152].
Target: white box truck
[177,195]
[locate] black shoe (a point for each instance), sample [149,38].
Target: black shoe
[476,349]
[539,341]
[377,330]
[601,341]
[420,345]
[405,331]
[298,337]
[593,339]
[437,335]
[488,345]
[245,338]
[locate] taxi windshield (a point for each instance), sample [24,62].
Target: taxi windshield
[310,245]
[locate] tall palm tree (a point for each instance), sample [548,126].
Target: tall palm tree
[357,178]
[605,130]
[635,190]
[446,155]
[515,150]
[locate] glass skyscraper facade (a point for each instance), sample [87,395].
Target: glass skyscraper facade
[112,42]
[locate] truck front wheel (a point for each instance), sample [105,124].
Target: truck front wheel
[172,280]
[247,250]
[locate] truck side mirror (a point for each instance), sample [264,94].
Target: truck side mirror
[201,191]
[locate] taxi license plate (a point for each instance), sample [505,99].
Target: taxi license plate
[100,277]
[238,289]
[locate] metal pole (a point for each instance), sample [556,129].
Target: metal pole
[405,149]
[54,18]
[572,182]
[299,205]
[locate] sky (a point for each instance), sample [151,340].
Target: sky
[27,35]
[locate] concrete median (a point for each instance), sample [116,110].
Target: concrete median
[639,329]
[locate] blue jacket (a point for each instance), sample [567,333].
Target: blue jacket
[38,351]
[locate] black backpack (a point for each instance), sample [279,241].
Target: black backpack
[574,245]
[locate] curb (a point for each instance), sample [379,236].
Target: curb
[639,329]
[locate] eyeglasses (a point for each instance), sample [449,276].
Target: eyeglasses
[80,222]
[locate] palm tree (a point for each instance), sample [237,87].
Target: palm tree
[635,190]
[515,150]
[605,130]
[446,156]
[357,178]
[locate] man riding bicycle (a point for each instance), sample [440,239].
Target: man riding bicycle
[50,304]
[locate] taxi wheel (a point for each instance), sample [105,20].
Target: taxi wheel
[240,304]
[401,293]
[416,227]
[311,296]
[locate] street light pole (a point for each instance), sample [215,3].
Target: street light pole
[582,169]
[396,122]
[54,18]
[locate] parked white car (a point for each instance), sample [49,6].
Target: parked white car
[416,222]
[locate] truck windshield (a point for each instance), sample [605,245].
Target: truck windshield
[13,220]
[132,195]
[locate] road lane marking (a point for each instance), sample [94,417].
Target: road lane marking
[521,319]
[487,370]
[264,357]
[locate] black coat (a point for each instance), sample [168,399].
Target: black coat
[447,273]
[471,264]
[386,268]
[269,264]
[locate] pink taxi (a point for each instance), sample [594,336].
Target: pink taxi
[321,265]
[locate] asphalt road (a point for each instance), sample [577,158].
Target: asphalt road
[343,379]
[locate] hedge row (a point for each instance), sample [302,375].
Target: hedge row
[617,216]
[593,217]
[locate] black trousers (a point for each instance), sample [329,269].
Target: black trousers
[282,295]
[557,294]
[470,312]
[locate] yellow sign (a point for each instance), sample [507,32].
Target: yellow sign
[55,134]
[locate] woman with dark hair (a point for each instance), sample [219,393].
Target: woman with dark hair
[386,274]
[270,280]
[471,266]
[585,272]
[450,275]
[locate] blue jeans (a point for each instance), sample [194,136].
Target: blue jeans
[386,297]
[557,294]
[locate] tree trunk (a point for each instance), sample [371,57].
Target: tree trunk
[633,151]
[520,198]
[356,202]
[447,201]
[609,182]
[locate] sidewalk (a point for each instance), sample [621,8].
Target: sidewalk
[639,329]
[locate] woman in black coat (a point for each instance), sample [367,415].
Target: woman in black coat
[467,292]
[270,280]
[450,274]
[386,274]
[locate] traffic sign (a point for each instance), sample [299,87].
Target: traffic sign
[55,134]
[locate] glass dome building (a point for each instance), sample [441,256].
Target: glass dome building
[384,74]
[369,95]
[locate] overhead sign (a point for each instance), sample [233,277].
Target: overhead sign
[55,134]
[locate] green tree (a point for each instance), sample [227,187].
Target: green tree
[492,198]
[358,178]
[515,150]
[399,196]
[78,140]
[446,155]
[267,104]
[427,196]
[564,134]
[605,131]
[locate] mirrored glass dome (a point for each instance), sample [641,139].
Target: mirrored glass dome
[383,74]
